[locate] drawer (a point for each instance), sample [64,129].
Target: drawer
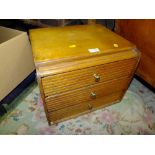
[84,107]
[80,78]
[85,94]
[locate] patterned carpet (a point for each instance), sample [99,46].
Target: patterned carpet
[135,114]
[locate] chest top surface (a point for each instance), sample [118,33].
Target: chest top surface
[74,41]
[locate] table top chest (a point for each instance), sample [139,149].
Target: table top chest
[81,68]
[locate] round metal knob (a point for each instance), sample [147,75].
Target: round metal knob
[90,106]
[93,95]
[97,77]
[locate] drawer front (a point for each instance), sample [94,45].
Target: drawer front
[85,94]
[80,78]
[84,107]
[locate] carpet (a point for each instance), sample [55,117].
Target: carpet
[133,115]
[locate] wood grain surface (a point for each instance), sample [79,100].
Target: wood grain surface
[76,96]
[80,78]
[76,110]
[74,81]
[61,42]
[60,66]
[142,34]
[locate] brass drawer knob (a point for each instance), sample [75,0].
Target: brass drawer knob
[90,106]
[93,95]
[97,77]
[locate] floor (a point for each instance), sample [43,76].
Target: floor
[135,114]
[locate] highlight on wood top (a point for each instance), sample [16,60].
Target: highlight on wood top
[61,42]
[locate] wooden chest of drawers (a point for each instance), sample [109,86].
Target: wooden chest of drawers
[81,68]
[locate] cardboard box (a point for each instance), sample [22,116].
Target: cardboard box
[16,61]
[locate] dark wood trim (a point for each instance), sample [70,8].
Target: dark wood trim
[145,83]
